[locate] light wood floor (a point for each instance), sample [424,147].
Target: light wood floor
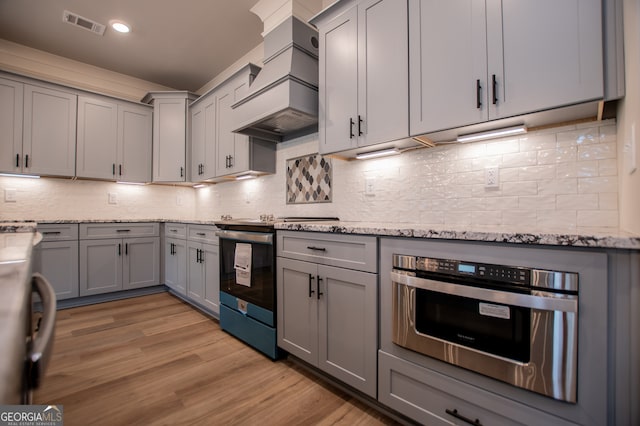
[155,360]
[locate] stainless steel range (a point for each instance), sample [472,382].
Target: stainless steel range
[248,278]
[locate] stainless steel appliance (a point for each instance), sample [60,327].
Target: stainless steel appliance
[514,324]
[248,279]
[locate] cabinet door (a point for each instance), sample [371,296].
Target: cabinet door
[141,262]
[211,263]
[100,266]
[338,91]
[543,66]
[233,148]
[447,64]
[134,143]
[97,138]
[197,141]
[11,98]
[58,261]
[383,71]
[169,138]
[49,143]
[175,265]
[195,273]
[298,308]
[348,326]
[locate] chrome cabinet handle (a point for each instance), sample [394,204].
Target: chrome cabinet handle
[540,300]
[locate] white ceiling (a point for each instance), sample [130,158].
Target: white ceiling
[179,44]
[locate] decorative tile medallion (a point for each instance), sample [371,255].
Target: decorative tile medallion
[309,179]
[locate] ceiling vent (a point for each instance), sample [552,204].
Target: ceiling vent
[82,22]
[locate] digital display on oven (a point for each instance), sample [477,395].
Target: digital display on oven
[467,269]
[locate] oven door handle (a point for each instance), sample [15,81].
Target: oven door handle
[253,237]
[540,300]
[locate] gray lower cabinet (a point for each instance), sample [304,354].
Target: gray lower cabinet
[436,399]
[327,315]
[191,264]
[56,257]
[203,275]
[114,264]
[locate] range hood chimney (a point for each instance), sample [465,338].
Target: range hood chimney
[282,102]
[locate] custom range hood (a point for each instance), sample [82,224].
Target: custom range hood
[282,102]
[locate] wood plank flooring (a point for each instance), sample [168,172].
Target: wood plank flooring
[154,360]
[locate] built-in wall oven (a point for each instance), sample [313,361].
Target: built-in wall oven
[515,324]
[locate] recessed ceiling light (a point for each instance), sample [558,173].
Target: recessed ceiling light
[120,26]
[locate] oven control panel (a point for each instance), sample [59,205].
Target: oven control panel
[472,269]
[566,281]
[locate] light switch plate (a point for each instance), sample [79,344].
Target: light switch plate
[113,198]
[10,195]
[631,151]
[369,186]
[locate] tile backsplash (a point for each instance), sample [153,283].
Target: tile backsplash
[563,178]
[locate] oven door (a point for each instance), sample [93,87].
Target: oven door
[259,289]
[525,339]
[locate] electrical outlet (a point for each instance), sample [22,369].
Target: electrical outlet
[492,177]
[10,195]
[113,198]
[369,186]
[179,200]
[630,153]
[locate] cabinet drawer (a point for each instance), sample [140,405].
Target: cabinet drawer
[175,230]
[92,231]
[58,232]
[431,398]
[204,233]
[345,251]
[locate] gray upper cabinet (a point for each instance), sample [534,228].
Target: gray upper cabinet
[473,61]
[38,130]
[217,153]
[169,135]
[11,111]
[97,138]
[114,140]
[134,142]
[364,87]
[203,138]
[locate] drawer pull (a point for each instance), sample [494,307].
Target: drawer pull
[202,234]
[123,230]
[455,414]
[316,248]
[173,230]
[51,233]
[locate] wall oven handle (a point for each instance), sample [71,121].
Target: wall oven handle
[42,345]
[253,237]
[540,300]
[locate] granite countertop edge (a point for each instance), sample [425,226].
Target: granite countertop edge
[593,239]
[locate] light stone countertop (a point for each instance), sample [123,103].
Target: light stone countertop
[614,239]
[16,245]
